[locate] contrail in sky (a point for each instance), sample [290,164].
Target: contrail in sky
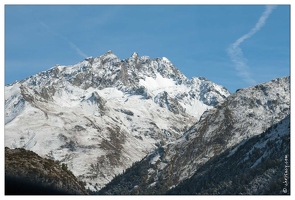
[235,52]
[73,46]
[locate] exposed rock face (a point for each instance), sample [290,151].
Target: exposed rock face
[38,175]
[165,101]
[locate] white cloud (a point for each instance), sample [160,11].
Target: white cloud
[72,45]
[236,54]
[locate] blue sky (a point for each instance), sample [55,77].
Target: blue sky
[236,46]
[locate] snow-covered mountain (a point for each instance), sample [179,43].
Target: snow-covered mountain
[101,115]
[247,113]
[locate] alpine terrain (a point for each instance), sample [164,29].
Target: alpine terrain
[241,146]
[103,114]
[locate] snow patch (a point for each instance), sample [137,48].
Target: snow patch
[155,159]
[166,60]
[158,83]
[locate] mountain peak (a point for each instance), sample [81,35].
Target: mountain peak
[166,60]
[109,52]
[134,55]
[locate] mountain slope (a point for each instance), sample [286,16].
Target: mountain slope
[246,113]
[258,165]
[102,114]
[28,173]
